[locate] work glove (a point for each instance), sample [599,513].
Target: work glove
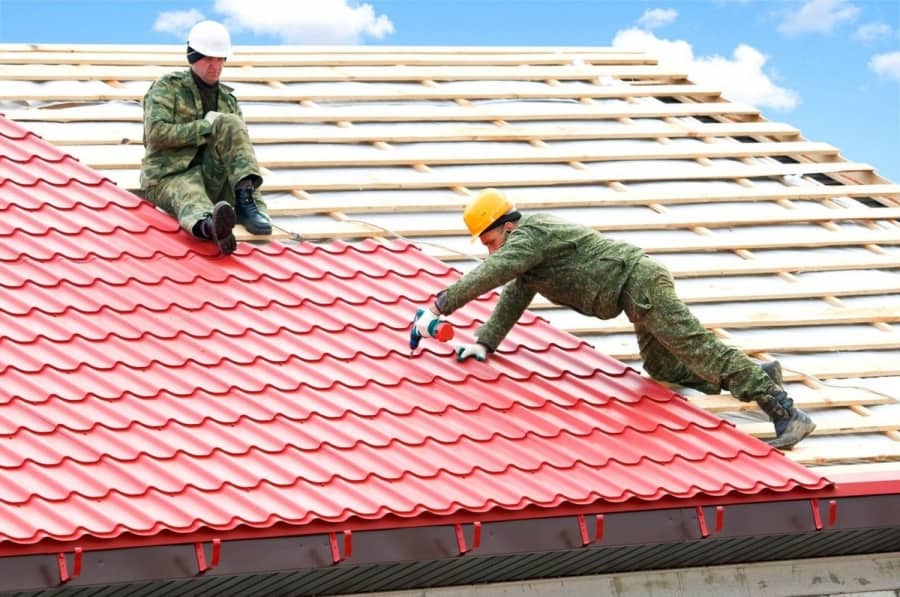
[211,116]
[477,351]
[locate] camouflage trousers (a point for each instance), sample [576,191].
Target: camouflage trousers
[676,347]
[228,157]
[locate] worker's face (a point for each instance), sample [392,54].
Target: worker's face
[494,239]
[209,69]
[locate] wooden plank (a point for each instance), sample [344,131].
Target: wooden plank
[797,263]
[873,340]
[487,112]
[851,366]
[746,316]
[241,234]
[352,180]
[306,74]
[333,50]
[823,238]
[524,131]
[726,292]
[625,349]
[414,202]
[649,220]
[745,319]
[288,94]
[848,366]
[889,467]
[812,316]
[829,371]
[251,56]
[403,133]
[665,221]
[840,453]
[827,398]
[510,154]
[852,423]
[88,95]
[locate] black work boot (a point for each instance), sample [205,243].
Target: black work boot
[217,227]
[773,370]
[791,424]
[248,214]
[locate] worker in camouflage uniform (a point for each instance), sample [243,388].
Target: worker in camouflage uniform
[573,265]
[199,164]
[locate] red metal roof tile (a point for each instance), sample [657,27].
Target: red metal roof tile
[36,169]
[29,146]
[151,386]
[74,194]
[12,130]
[72,222]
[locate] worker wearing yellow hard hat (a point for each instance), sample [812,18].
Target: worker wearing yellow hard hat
[486,211]
[574,265]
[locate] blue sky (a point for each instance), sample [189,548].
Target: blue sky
[828,67]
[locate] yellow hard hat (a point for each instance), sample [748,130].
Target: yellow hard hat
[484,210]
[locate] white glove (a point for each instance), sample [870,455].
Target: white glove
[424,321]
[476,351]
[211,116]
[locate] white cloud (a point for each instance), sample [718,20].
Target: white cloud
[886,65]
[873,31]
[676,53]
[178,22]
[657,17]
[306,21]
[741,78]
[818,16]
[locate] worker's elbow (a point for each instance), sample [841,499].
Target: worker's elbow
[154,144]
[153,139]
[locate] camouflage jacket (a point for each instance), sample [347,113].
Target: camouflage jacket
[569,264]
[174,127]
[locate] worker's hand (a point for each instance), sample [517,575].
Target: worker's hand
[476,351]
[211,116]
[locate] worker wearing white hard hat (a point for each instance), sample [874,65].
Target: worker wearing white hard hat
[209,38]
[200,165]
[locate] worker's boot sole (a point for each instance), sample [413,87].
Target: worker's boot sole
[223,220]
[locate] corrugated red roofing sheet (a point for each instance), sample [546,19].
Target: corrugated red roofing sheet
[151,386]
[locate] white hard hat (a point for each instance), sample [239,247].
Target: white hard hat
[210,39]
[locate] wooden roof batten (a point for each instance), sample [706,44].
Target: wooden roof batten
[520,107]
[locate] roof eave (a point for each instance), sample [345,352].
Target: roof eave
[737,528]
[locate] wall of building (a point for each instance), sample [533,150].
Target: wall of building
[869,576]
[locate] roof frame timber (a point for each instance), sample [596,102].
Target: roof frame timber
[650,103]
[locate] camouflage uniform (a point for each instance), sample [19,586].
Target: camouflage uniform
[172,175]
[573,265]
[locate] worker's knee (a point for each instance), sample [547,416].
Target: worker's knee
[228,124]
[672,371]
